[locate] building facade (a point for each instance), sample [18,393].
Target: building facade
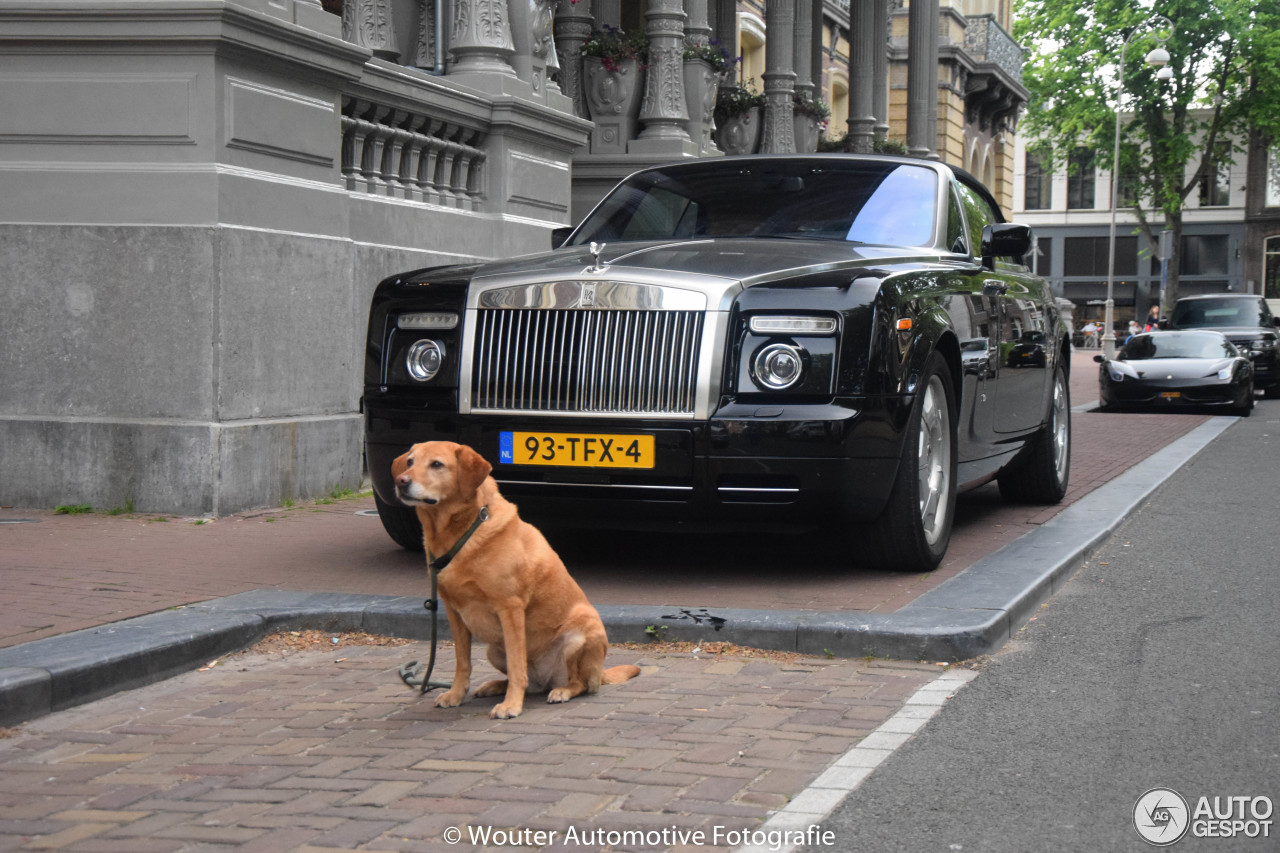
[1223,244]
[197,198]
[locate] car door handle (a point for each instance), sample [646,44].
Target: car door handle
[991,287]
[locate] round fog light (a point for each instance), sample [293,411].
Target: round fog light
[778,366]
[424,360]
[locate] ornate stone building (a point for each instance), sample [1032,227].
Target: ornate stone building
[197,197]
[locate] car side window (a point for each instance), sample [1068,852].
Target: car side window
[979,215]
[955,228]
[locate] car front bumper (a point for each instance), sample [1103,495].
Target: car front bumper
[1171,393]
[789,467]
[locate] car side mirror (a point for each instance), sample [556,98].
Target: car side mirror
[559,235]
[1100,358]
[1163,325]
[1004,239]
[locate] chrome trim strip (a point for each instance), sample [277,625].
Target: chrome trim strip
[594,485]
[762,490]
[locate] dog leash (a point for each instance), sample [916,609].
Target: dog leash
[436,565]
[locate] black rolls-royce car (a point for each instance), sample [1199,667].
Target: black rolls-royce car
[772,342]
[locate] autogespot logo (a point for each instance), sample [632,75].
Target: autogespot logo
[1161,817]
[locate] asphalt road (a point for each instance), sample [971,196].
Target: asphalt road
[1155,667]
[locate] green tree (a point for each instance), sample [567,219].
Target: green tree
[1226,85]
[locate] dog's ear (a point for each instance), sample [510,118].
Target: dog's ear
[399,465]
[472,469]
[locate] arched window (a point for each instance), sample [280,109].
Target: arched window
[751,49]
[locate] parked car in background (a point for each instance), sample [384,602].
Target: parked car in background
[1174,369]
[789,343]
[1247,322]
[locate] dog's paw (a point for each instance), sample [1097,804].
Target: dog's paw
[505,711]
[560,694]
[450,699]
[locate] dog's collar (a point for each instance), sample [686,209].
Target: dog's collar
[439,564]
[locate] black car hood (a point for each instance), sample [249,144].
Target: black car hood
[750,260]
[1233,333]
[1177,368]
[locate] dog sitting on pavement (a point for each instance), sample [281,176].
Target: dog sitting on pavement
[505,586]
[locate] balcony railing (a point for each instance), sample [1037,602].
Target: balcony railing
[985,39]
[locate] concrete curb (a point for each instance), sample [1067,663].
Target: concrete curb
[971,614]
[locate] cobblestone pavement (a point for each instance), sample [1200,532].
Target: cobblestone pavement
[327,750]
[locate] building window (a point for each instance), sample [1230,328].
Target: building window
[1215,181]
[1039,182]
[1273,177]
[1081,177]
[1204,254]
[1271,268]
[1088,256]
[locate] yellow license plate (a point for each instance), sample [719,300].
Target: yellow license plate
[1170,395]
[583,450]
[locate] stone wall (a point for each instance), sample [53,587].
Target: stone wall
[196,201]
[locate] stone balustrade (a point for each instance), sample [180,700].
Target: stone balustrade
[411,155]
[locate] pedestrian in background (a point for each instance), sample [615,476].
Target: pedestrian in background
[1153,319]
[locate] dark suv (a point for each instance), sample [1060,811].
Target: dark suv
[1246,321]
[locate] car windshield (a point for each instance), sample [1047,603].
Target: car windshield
[1174,345]
[862,202]
[1221,312]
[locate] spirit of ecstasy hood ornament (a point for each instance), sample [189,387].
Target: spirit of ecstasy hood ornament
[596,249]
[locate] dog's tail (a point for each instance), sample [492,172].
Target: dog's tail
[619,674]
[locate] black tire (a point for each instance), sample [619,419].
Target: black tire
[1247,408]
[1040,473]
[1272,392]
[913,532]
[401,524]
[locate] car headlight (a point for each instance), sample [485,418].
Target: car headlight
[777,366]
[428,320]
[424,359]
[1225,373]
[1115,373]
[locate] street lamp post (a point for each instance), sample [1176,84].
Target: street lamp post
[1159,57]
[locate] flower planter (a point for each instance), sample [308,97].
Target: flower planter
[613,100]
[807,130]
[740,134]
[701,83]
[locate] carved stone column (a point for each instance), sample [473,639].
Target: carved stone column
[802,49]
[425,52]
[922,76]
[572,31]
[663,111]
[369,23]
[862,47]
[481,41]
[779,80]
[880,91]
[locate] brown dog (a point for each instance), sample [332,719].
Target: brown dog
[505,586]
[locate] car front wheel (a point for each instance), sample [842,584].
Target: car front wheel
[1040,473]
[914,530]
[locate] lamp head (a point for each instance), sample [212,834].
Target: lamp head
[1158,57]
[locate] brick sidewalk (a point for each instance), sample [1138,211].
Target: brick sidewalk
[306,752]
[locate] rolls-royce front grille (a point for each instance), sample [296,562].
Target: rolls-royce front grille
[591,361]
